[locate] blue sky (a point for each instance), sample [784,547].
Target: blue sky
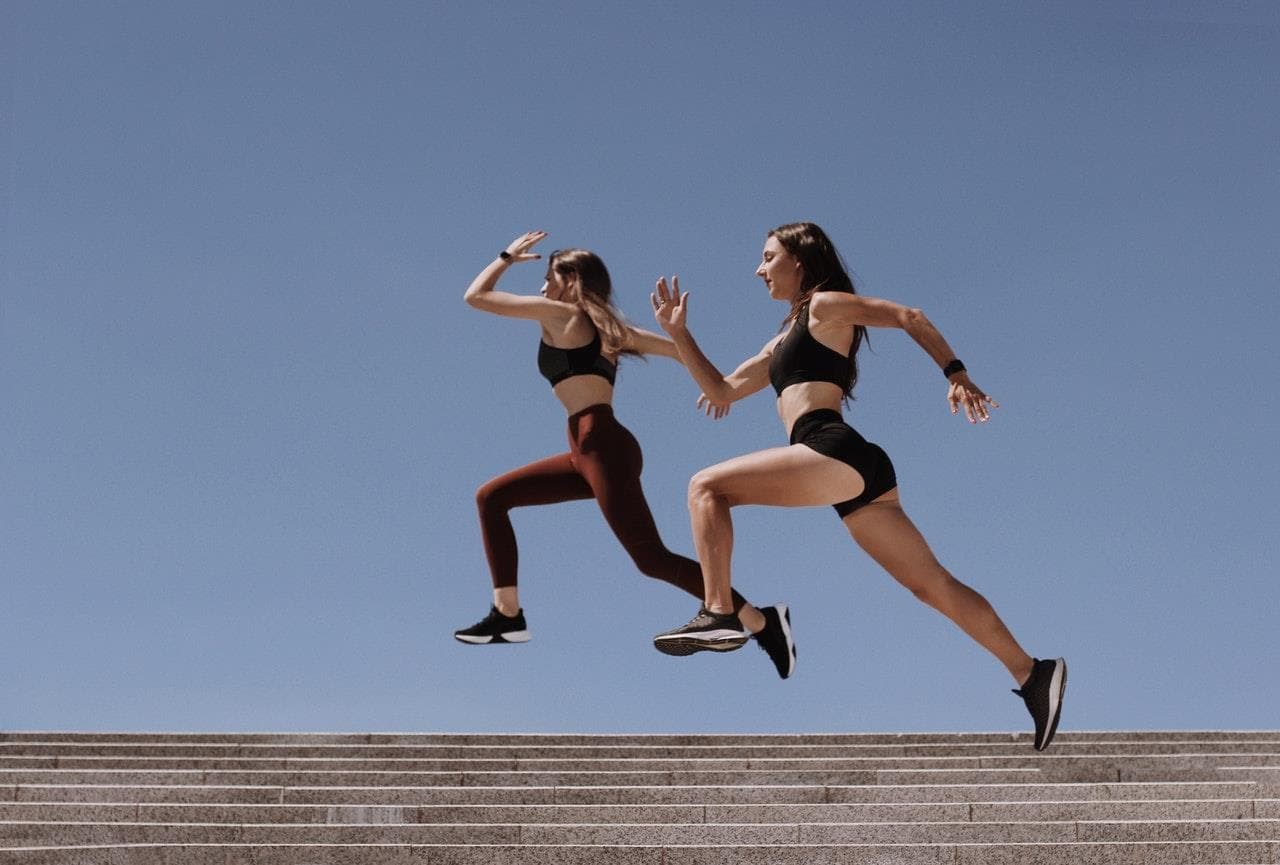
[245,409]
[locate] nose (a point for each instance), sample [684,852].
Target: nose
[760,269]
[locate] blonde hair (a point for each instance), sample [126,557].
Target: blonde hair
[595,297]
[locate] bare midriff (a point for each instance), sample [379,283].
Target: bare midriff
[583,391]
[798,400]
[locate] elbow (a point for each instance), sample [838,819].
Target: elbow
[472,299]
[912,319]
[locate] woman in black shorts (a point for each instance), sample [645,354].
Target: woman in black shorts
[582,337]
[812,366]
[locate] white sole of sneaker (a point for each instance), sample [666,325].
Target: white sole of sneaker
[715,641]
[508,637]
[784,616]
[1057,685]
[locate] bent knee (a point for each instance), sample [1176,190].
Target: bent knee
[653,563]
[489,497]
[704,488]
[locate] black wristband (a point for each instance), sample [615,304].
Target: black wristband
[505,256]
[953,367]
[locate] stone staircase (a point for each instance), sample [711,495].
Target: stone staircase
[350,799]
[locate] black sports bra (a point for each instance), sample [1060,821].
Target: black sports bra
[798,357]
[557,364]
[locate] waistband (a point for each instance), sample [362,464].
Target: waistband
[812,418]
[600,409]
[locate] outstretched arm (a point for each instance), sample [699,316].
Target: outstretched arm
[670,308]
[648,342]
[483,293]
[855,309]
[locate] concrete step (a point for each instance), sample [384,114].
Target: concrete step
[281,751]
[531,778]
[1136,761]
[594,739]
[1141,853]
[311,799]
[888,812]
[637,795]
[613,834]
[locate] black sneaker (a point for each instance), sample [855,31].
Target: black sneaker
[495,628]
[706,631]
[775,638]
[1042,692]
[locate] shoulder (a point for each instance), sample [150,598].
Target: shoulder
[567,323]
[829,310]
[824,304]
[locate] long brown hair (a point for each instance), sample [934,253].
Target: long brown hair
[595,297]
[824,270]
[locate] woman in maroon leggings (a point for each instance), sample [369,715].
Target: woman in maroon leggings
[582,337]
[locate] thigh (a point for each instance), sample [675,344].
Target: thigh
[792,476]
[613,474]
[544,482]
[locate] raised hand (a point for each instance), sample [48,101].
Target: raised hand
[963,393]
[519,248]
[670,307]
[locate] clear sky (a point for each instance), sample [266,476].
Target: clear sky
[244,410]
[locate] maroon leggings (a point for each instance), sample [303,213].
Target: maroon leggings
[603,463]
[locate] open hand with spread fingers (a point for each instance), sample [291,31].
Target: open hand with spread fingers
[518,250]
[670,306]
[963,393]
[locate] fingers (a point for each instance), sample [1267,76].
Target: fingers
[525,242]
[979,403]
[973,406]
[681,300]
[661,295]
[976,408]
[976,404]
[530,239]
[711,409]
